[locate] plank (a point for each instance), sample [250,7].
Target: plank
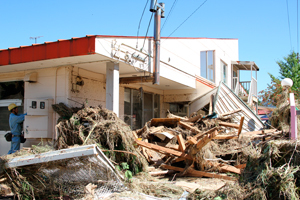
[231,125]
[231,112]
[241,126]
[228,168]
[159,173]
[241,166]
[204,133]
[187,126]
[181,143]
[225,167]
[196,173]
[163,149]
[191,140]
[225,137]
[193,119]
[206,139]
[170,115]
[260,132]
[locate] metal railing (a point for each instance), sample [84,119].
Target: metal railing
[246,85]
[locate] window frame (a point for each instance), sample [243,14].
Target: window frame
[206,66]
[222,64]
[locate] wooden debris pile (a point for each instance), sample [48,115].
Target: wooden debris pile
[198,146]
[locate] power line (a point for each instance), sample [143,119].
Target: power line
[147,31]
[188,17]
[174,3]
[137,35]
[287,7]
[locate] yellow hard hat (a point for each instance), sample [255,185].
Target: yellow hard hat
[12,106]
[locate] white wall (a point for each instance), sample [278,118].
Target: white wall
[180,59]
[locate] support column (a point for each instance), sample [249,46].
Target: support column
[294,127]
[112,87]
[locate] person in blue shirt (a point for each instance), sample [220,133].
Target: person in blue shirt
[15,121]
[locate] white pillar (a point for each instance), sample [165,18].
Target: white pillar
[112,87]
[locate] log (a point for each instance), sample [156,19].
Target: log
[231,125]
[181,143]
[241,126]
[230,113]
[164,121]
[163,149]
[196,173]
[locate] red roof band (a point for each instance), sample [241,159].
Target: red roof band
[48,50]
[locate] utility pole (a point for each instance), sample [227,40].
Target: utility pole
[159,10]
[35,38]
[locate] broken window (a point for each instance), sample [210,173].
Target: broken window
[179,109]
[140,107]
[207,66]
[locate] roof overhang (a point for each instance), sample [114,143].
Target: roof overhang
[77,52]
[245,65]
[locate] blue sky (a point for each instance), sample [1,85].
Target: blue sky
[261,26]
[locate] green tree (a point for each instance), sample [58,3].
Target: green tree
[289,67]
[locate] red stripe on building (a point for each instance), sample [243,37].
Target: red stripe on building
[48,50]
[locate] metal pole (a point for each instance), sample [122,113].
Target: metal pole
[156,58]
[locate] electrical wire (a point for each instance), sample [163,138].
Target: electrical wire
[147,31]
[137,35]
[188,18]
[288,15]
[174,3]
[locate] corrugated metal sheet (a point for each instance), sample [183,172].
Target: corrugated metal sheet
[226,101]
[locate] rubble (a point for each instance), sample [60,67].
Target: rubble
[244,165]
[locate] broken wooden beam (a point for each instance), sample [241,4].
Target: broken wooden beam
[241,126]
[163,149]
[225,137]
[181,143]
[164,121]
[159,173]
[196,173]
[191,140]
[187,126]
[241,166]
[231,125]
[193,119]
[206,139]
[260,132]
[225,167]
[230,113]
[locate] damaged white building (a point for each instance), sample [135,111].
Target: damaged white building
[117,73]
